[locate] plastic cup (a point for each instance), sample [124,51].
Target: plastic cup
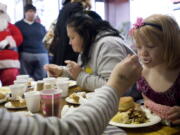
[50,80]
[63,87]
[18,90]
[33,101]
[50,102]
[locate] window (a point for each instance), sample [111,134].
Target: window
[100,8]
[14,9]
[47,10]
[145,8]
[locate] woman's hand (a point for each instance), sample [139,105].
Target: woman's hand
[73,68]
[53,70]
[125,74]
[174,115]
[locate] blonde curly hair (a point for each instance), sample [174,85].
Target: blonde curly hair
[168,37]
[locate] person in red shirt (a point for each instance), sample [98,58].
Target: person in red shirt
[10,38]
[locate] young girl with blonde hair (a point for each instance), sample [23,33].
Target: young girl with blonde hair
[157,40]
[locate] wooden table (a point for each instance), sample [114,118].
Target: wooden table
[63,102]
[158,129]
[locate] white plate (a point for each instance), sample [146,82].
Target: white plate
[71,101]
[8,105]
[153,119]
[82,100]
[3,100]
[72,83]
[5,90]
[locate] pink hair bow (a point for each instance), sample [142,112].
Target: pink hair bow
[138,24]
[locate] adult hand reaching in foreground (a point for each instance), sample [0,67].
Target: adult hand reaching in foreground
[125,74]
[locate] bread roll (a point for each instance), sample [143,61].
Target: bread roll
[18,103]
[126,103]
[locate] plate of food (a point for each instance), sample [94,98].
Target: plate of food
[3,98]
[72,101]
[5,90]
[72,83]
[77,98]
[16,104]
[132,115]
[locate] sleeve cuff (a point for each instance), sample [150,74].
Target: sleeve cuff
[80,77]
[65,73]
[3,44]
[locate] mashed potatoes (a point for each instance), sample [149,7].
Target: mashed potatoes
[130,112]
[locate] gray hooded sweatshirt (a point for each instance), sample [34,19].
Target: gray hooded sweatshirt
[105,53]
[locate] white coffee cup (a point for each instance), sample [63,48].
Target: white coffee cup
[21,81]
[62,79]
[50,80]
[33,101]
[22,77]
[18,90]
[63,86]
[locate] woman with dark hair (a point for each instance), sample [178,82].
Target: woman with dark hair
[60,47]
[100,46]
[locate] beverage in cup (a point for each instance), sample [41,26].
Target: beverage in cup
[50,102]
